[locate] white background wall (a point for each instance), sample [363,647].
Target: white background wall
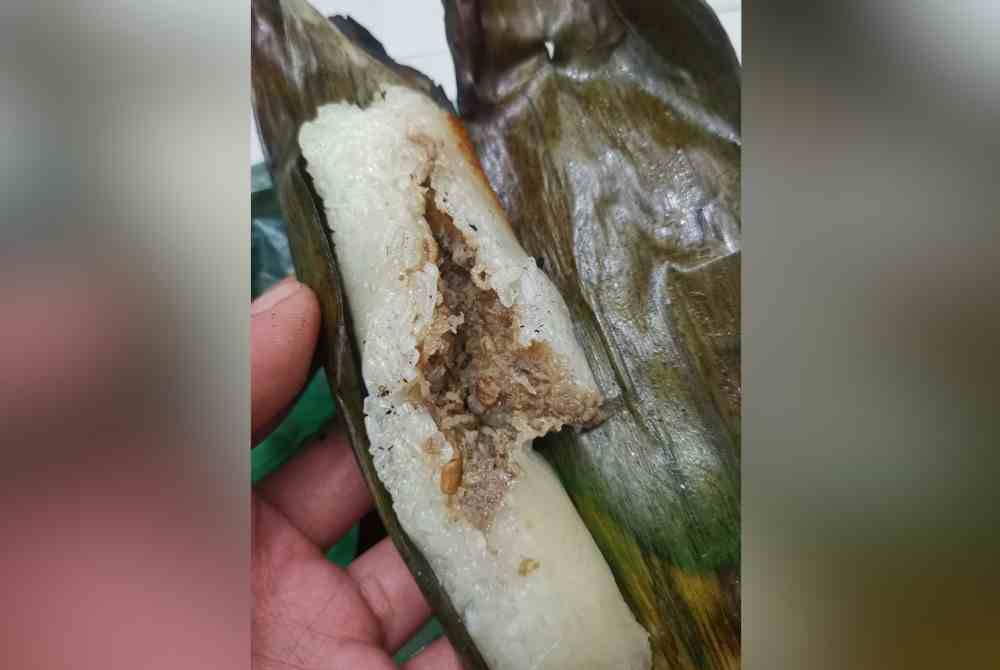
[412,31]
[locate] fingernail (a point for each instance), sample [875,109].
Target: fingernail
[277,293]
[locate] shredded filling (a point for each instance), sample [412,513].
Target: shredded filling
[486,392]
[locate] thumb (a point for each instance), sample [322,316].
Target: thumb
[284,327]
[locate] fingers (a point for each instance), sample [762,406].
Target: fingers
[391,593]
[321,491]
[438,655]
[284,326]
[299,596]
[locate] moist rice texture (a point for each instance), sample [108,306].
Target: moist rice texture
[468,353]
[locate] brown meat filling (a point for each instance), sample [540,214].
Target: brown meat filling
[486,393]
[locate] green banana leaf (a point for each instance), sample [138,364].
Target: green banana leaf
[617,158]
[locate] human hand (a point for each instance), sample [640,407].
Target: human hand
[307,612]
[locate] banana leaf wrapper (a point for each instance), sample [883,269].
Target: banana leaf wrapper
[617,158]
[657,484]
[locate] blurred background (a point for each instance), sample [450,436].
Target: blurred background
[870,319]
[870,310]
[124,377]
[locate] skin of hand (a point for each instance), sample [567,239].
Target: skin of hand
[309,613]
